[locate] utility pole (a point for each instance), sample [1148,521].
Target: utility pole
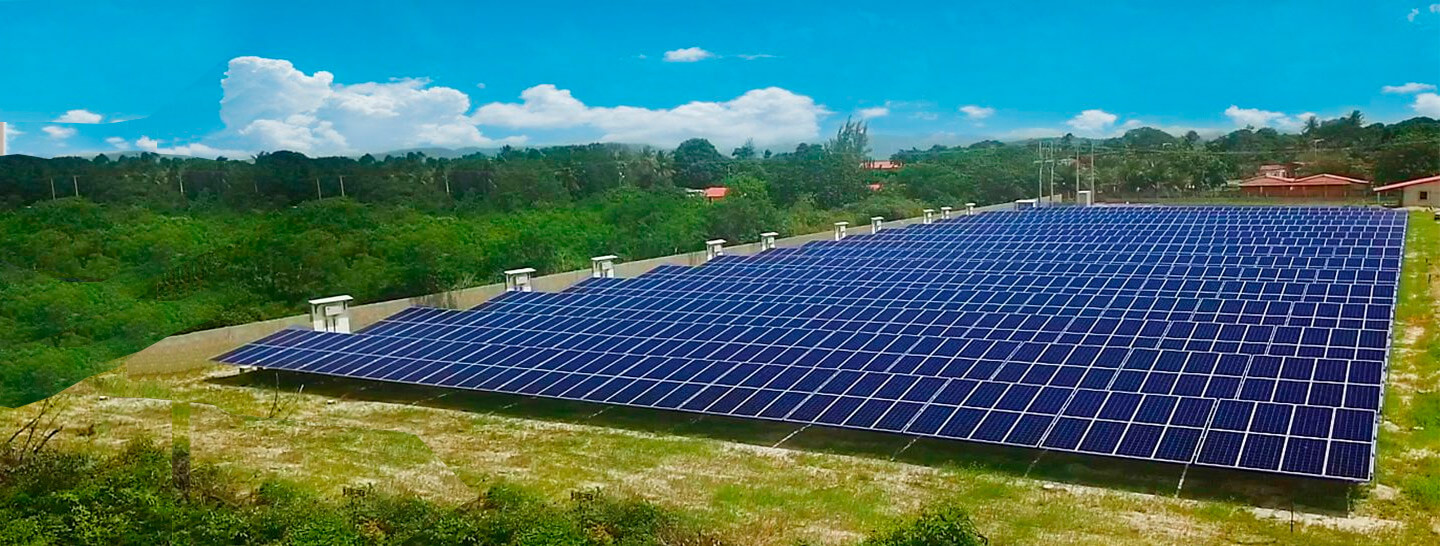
[317,189]
[1092,168]
[75,181]
[1077,171]
[342,185]
[1054,162]
[52,188]
[1040,176]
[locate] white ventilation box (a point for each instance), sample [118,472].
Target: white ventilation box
[331,314]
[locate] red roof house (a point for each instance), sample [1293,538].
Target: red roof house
[1420,192]
[716,193]
[1324,186]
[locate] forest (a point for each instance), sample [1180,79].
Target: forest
[102,256]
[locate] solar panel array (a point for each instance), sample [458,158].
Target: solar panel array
[1237,337]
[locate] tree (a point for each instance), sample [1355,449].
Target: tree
[746,151]
[698,164]
[1410,158]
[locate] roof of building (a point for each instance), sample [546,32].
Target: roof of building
[716,192]
[876,186]
[881,165]
[1312,180]
[1398,185]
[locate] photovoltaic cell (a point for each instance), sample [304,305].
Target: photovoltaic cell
[1242,337]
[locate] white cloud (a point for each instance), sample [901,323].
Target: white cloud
[976,112]
[687,55]
[1427,104]
[1434,8]
[770,116]
[79,116]
[1413,13]
[927,116]
[755,56]
[195,149]
[117,142]
[873,112]
[1257,118]
[1093,121]
[267,104]
[1407,88]
[1251,116]
[57,132]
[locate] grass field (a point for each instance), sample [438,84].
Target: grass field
[770,483]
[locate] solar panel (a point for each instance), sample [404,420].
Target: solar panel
[1240,337]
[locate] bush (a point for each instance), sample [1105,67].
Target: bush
[130,498]
[945,526]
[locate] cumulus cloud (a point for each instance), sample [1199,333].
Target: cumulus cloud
[194,149]
[687,55]
[976,112]
[57,132]
[268,104]
[872,112]
[1414,12]
[770,116]
[1093,121]
[754,56]
[117,142]
[79,116]
[1407,88]
[1427,104]
[1255,117]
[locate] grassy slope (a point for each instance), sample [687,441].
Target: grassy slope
[824,485]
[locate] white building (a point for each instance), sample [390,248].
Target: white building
[1420,192]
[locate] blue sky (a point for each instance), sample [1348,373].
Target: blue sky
[224,77]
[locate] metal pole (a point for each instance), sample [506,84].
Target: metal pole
[1092,169]
[1040,176]
[342,186]
[75,181]
[52,188]
[317,189]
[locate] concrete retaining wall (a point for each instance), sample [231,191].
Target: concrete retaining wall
[190,351]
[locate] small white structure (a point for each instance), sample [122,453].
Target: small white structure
[714,248]
[840,230]
[331,314]
[969,209]
[944,213]
[518,280]
[603,267]
[1084,198]
[929,216]
[767,240]
[875,222]
[1023,204]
